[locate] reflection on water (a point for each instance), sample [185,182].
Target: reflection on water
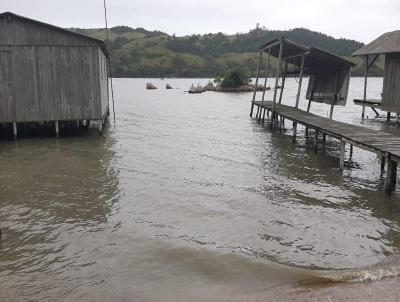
[187,198]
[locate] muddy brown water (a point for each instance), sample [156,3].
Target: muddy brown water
[187,198]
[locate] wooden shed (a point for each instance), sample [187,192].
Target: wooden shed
[329,75]
[388,45]
[51,75]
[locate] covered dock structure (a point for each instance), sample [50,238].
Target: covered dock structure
[51,75]
[328,83]
[387,45]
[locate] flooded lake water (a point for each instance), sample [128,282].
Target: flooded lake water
[187,198]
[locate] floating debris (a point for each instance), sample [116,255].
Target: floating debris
[168,86]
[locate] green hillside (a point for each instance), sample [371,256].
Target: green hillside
[141,53]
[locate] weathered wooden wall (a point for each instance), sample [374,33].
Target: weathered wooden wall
[391,84]
[54,75]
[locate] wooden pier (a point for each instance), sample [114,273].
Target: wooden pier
[386,145]
[329,77]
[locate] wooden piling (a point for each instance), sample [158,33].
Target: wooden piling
[256,84]
[100,127]
[277,80]
[342,153]
[15,130]
[365,84]
[56,126]
[391,175]
[316,141]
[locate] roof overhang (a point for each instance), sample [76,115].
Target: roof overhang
[387,43]
[316,59]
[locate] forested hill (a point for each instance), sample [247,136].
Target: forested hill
[141,53]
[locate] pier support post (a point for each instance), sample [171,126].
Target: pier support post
[100,126]
[57,128]
[383,160]
[342,153]
[15,130]
[391,174]
[316,141]
[388,117]
[323,139]
[351,150]
[256,84]
[294,131]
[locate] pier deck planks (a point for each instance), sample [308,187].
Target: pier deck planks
[373,140]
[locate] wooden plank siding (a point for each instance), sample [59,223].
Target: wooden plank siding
[57,75]
[391,83]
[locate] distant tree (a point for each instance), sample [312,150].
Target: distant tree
[235,77]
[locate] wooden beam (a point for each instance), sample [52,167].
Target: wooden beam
[56,126]
[342,153]
[15,130]
[391,175]
[365,84]
[277,80]
[265,80]
[283,82]
[372,61]
[300,81]
[316,141]
[256,84]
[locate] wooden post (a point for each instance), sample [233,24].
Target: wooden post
[309,106]
[265,80]
[388,117]
[283,82]
[57,128]
[391,175]
[300,81]
[397,117]
[294,131]
[342,153]
[383,160]
[15,130]
[351,150]
[277,80]
[100,126]
[316,141]
[365,85]
[256,84]
[331,112]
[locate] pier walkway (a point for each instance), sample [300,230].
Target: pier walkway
[384,144]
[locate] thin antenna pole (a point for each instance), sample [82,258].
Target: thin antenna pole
[109,59]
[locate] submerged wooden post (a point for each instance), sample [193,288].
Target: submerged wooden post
[391,175]
[351,150]
[256,84]
[15,130]
[316,141]
[100,126]
[294,131]
[300,81]
[57,128]
[388,117]
[277,81]
[342,153]
[365,85]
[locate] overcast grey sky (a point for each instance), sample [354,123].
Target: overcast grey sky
[362,20]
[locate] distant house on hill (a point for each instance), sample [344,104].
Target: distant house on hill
[50,74]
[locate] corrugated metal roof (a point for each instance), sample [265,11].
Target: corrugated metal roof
[387,43]
[315,58]
[63,30]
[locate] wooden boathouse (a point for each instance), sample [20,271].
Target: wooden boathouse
[387,45]
[328,83]
[51,75]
